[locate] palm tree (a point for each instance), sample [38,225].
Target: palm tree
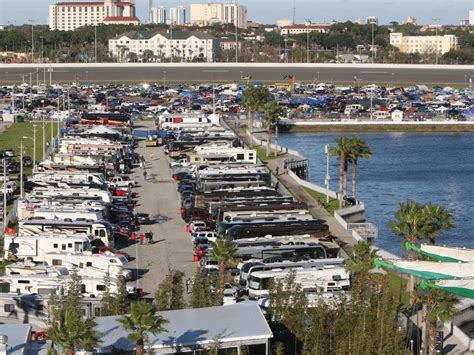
[273,112]
[225,253]
[142,320]
[359,149]
[439,306]
[72,332]
[255,98]
[417,222]
[342,150]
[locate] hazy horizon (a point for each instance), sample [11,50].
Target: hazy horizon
[17,12]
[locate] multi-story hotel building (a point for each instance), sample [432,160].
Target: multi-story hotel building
[209,13]
[182,45]
[158,15]
[424,44]
[67,16]
[177,15]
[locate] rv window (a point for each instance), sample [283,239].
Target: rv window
[83,288]
[57,262]
[55,245]
[69,245]
[240,156]
[81,265]
[100,288]
[67,219]
[63,246]
[89,263]
[97,311]
[9,308]
[23,281]
[4,287]
[102,233]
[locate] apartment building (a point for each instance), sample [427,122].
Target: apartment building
[206,14]
[177,16]
[424,44]
[68,16]
[184,46]
[158,15]
[305,28]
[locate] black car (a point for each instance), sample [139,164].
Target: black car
[143,218]
[27,161]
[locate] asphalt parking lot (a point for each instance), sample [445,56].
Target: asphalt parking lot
[171,247]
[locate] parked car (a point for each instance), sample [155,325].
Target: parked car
[143,218]
[27,161]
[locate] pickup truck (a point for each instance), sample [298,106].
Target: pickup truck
[122,182]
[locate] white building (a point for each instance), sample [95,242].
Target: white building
[471,17]
[67,16]
[209,13]
[177,15]
[307,27]
[424,44]
[158,15]
[185,46]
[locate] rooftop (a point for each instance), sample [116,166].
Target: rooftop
[121,18]
[187,328]
[177,35]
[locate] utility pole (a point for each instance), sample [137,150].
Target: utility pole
[436,20]
[373,43]
[294,12]
[32,42]
[95,42]
[307,41]
[236,23]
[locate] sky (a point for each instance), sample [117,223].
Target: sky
[18,12]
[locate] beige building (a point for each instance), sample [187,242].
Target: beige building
[67,16]
[424,44]
[307,27]
[183,45]
[209,13]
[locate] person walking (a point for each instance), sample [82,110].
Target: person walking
[142,238]
[144,174]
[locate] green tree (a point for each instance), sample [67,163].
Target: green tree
[55,304]
[254,100]
[141,321]
[273,113]
[342,151]
[74,291]
[72,332]
[205,291]
[359,149]
[121,304]
[439,306]
[225,253]
[132,57]
[362,260]
[416,222]
[148,55]
[108,301]
[170,292]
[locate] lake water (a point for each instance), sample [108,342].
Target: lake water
[426,167]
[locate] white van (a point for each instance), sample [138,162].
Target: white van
[381,115]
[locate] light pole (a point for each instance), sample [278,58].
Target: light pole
[373,43]
[307,42]
[44,132]
[21,165]
[328,177]
[34,146]
[437,44]
[95,42]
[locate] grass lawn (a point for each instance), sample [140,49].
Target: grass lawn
[10,139]
[317,196]
[398,285]
[262,153]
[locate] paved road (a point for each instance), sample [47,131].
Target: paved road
[208,73]
[172,247]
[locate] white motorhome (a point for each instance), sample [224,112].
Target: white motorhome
[67,177]
[35,247]
[325,279]
[168,121]
[90,264]
[62,213]
[43,284]
[229,216]
[82,193]
[220,155]
[100,230]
